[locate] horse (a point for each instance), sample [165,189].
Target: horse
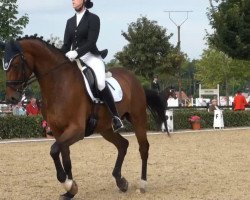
[66,106]
[166,93]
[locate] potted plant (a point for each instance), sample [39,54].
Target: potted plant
[195,122]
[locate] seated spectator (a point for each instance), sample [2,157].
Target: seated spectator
[213,106]
[239,102]
[19,110]
[32,108]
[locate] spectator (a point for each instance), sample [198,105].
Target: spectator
[248,99]
[213,106]
[32,108]
[239,102]
[19,110]
[155,84]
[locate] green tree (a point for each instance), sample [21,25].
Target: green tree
[215,67]
[189,82]
[147,48]
[231,21]
[11,27]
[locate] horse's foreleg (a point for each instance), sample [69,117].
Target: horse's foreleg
[69,184]
[121,144]
[64,173]
[55,152]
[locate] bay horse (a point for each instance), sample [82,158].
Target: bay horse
[66,106]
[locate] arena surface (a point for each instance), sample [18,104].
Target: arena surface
[202,165]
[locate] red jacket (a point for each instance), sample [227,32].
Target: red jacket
[32,110]
[239,102]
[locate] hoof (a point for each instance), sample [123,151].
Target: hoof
[62,197]
[122,184]
[74,189]
[66,196]
[142,190]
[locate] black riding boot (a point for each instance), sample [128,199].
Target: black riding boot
[109,101]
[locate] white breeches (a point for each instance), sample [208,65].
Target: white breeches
[96,63]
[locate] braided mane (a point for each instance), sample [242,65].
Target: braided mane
[35,37]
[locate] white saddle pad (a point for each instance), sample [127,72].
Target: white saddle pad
[113,85]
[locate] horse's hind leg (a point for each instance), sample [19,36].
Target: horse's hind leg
[139,122]
[121,144]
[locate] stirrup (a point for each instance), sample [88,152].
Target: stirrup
[117,124]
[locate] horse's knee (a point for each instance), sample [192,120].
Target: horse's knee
[54,151]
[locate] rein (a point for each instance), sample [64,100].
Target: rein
[27,81]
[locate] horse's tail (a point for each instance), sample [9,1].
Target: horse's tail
[157,106]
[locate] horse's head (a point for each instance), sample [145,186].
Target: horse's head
[17,70]
[172,92]
[169,92]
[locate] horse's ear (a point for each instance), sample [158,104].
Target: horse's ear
[2,45]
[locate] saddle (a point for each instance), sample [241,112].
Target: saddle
[94,93]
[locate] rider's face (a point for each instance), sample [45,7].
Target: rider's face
[77,3]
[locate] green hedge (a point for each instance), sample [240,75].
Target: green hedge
[30,127]
[20,127]
[231,118]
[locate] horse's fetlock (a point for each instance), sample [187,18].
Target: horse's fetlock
[61,177]
[116,174]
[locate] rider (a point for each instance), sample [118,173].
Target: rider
[80,37]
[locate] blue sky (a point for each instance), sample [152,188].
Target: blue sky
[49,17]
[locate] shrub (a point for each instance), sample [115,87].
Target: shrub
[20,127]
[30,127]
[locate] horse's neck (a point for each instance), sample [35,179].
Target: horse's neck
[56,75]
[64,86]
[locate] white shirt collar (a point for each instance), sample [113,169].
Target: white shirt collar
[79,16]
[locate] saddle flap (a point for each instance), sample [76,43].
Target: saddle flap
[91,83]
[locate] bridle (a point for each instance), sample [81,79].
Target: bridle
[26,81]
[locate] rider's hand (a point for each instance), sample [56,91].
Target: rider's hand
[71,55]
